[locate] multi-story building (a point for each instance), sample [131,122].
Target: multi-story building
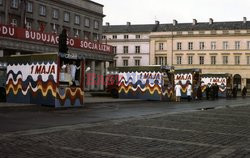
[35,21]
[215,47]
[130,43]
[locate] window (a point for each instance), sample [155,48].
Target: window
[237,45]
[28,25]
[178,61]
[248,60]
[55,14]
[125,62]
[225,60]
[29,7]
[87,22]
[237,60]
[14,22]
[178,45]
[137,36]
[161,46]
[125,49]
[114,36]
[114,63]
[166,61]
[114,49]
[137,62]
[95,37]
[125,36]
[225,45]
[202,59]
[190,60]
[137,49]
[104,37]
[161,61]
[42,10]
[86,35]
[202,45]
[76,32]
[14,3]
[190,45]
[66,16]
[96,25]
[156,60]
[213,45]
[55,28]
[213,60]
[248,44]
[77,19]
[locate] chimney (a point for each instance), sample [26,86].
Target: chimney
[157,22]
[128,23]
[244,20]
[107,24]
[211,21]
[175,22]
[194,21]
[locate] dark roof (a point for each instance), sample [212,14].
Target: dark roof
[141,68]
[235,25]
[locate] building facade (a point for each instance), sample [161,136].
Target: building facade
[40,21]
[215,47]
[130,43]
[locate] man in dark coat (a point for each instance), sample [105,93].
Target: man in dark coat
[235,92]
[216,92]
[207,92]
[244,92]
[212,91]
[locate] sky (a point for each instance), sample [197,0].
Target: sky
[119,12]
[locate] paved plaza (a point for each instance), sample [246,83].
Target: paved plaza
[214,129]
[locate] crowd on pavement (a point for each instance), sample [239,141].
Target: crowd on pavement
[211,92]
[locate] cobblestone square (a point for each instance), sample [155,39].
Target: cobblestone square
[221,132]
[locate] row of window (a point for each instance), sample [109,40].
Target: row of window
[124,36]
[125,49]
[225,44]
[55,13]
[137,62]
[213,60]
[56,29]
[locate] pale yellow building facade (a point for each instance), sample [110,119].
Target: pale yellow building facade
[222,47]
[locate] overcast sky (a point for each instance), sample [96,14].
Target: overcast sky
[147,11]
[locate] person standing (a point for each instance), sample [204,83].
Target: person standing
[216,93]
[178,91]
[199,93]
[73,69]
[189,91]
[235,91]
[244,92]
[212,91]
[207,91]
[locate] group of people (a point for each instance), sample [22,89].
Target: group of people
[68,72]
[211,91]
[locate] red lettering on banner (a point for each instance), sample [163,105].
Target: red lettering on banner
[42,69]
[50,38]
[183,77]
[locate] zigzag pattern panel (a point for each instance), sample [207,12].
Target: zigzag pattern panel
[31,80]
[142,85]
[67,97]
